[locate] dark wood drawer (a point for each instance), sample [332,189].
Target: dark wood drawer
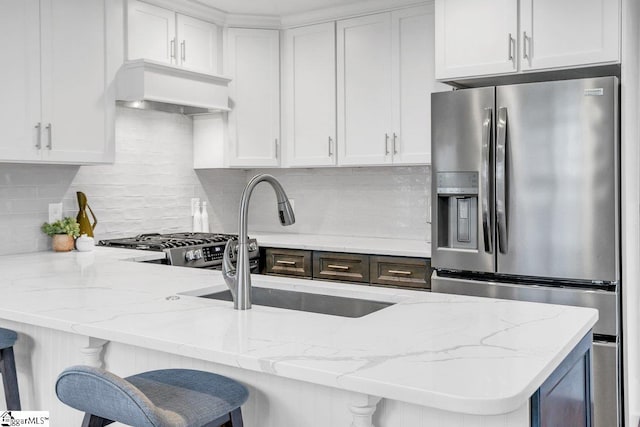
[401,272]
[288,262]
[339,266]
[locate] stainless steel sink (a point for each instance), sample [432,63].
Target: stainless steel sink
[303,301]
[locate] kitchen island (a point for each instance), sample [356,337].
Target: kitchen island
[429,359]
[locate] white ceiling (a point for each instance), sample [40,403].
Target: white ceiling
[274,7]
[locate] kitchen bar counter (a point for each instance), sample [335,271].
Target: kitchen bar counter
[455,354]
[351,244]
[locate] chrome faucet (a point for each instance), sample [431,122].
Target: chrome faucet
[238,278]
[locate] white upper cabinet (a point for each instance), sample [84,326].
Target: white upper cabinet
[20,81]
[475,37]
[253,63]
[309,95]
[413,82]
[165,36]
[364,90]
[493,37]
[198,44]
[151,32]
[568,33]
[385,80]
[55,107]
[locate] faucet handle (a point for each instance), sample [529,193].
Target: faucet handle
[228,269]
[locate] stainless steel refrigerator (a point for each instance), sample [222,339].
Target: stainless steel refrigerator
[526,201]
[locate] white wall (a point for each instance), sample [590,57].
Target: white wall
[387,202]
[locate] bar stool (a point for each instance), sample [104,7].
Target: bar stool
[164,398]
[8,369]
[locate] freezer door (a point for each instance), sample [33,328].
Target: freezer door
[557,179]
[462,136]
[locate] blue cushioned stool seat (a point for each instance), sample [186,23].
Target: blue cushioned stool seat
[8,369]
[164,398]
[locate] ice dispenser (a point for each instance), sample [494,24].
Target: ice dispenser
[457,210]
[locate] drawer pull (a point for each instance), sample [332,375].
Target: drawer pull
[401,272]
[338,267]
[285,262]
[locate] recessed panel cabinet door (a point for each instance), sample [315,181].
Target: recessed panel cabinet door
[310,95]
[568,33]
[73,81]
[254,120]
[151,32]
[198,44]
[413,76]
[364,90]
[20,80]
[475,38]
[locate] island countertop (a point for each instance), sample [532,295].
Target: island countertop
[462,354]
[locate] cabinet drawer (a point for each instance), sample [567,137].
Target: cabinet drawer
[288,262]
[402,272]
[339,266]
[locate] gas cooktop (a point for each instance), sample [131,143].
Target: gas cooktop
[184,249]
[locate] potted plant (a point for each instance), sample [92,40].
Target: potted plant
[62,232]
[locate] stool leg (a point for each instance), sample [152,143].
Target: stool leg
[10,379]
[236,418]
[94,421]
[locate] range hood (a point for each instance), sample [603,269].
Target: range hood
[142,83]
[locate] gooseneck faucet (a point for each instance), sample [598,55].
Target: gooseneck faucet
[238,278]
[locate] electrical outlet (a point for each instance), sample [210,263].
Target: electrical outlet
[292,202]
[194,202]
[55,212]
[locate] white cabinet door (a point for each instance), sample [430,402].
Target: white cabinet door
[254,120]
[20,80]
[364,90]
[475,38]
[151,32]
[413,77]
[197,44]
[73,81]
[568,33]
[310,95]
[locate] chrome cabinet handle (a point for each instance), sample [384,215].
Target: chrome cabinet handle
[330,152]
[50,135]
[172,48]
[338,267]
[526,41]
[183,50]
[283,262]
[39,137]
[512,45]
[501,180]
[276,146]
[386,144]
[484,176]
[400,272]
[395,148]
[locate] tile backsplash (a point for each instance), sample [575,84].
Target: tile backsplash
[149,187]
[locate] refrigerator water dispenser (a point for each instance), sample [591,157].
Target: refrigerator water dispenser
[458,209]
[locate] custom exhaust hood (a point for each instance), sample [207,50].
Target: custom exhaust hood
[146,84]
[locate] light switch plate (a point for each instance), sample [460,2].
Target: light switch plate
[55,212]
[194,201]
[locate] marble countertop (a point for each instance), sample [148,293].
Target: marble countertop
[353,244]
[463,354]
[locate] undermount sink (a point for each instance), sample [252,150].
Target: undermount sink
[303,301]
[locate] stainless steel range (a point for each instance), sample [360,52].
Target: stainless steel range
[200,250]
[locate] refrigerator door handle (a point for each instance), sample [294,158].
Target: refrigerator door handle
[501,180]
[486,150]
